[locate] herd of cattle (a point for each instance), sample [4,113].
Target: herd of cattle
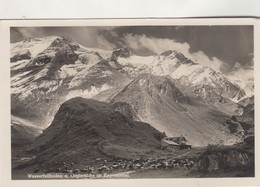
[120,165]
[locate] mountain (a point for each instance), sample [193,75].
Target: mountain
[45,72]
[84,130]
[157,101]
[246,101]
[244,124]
[169,91]
[247,119]
[247,86]
[190,77]
[248,105]
[23,133]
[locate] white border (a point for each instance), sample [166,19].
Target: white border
[42,9]
[5,104]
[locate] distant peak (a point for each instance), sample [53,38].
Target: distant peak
[171,54]
[65,41]
[67,38]
[174,54]
[121,52]
[124,51]
[168,53]
[28,39]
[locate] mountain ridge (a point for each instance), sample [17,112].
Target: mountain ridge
[170,84]
[157,101]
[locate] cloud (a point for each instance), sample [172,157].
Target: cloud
[103,43]
[242,74]
[204,60]
[20,33]
[159,45]
[87,36]
[245,79]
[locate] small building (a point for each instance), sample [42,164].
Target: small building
[168,144]
[171,143]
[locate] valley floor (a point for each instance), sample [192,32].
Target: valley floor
[146,174]
[176,171]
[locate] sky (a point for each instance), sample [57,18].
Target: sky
[228,49]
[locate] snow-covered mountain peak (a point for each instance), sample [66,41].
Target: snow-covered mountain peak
[173,54]
[66,42]
[170,54]
[29,39]
[47,71]
[193,77]
[44,68]
[30,47]
[247,86]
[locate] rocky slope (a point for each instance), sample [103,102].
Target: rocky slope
[223,159]
[23,133]
[243,125]
[157,101]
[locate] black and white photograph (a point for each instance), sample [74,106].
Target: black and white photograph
[132,101]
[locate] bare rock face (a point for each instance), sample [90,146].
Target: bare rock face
[64,42]
[208,163]
[211,86]
[235,127]
[157,101]
[122,52]
[243,124]
[126,109]
[236,158]
[172,54]
[22,56]
[226,159]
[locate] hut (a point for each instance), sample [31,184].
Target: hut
[169,144]
[174,143]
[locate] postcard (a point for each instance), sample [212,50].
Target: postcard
[129,102]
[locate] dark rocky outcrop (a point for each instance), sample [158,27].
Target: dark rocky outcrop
[125,109]
[171,54]
[122,52]
[26,55]
[240,157]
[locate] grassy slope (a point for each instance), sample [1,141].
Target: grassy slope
[82,128]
